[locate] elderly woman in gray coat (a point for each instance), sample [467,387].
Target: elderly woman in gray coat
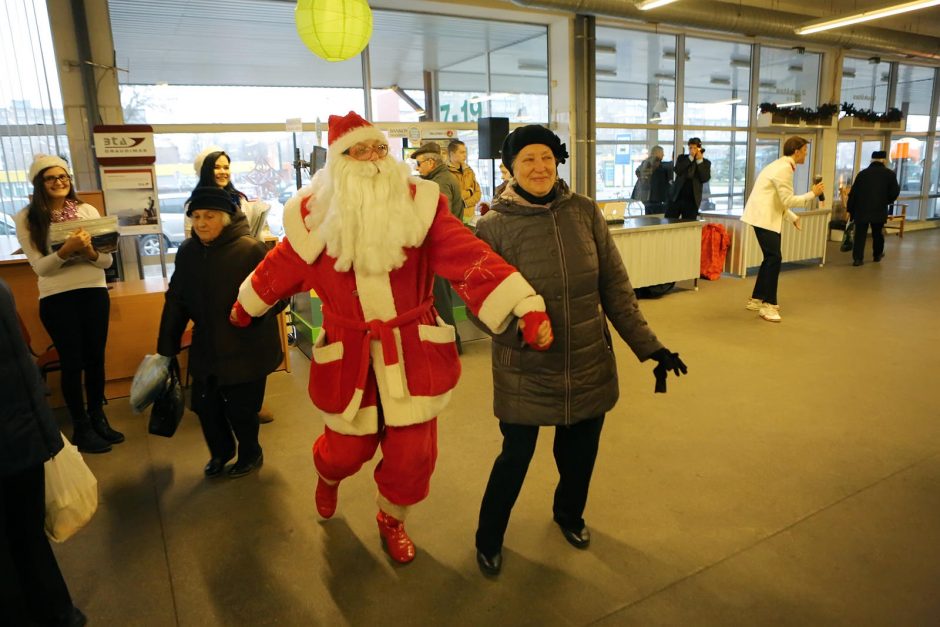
[560,242]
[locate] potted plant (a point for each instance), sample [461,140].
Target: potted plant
[868,120]
[820,117]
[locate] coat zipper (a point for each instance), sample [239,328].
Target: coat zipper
[564,282]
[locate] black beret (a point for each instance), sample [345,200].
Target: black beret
[879,154]
[528,135]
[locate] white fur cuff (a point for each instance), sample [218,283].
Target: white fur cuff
[528,305]
[250,300]
[502,301]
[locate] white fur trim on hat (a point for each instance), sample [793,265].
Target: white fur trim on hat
[201,157]
[356,136]
[41,162]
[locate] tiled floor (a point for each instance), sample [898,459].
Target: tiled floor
[792,478]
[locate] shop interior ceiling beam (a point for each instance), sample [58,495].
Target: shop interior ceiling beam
[748,20]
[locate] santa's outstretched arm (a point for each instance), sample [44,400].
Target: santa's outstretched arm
[493,290]
[279,276]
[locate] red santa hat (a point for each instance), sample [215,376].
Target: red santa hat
[348,130]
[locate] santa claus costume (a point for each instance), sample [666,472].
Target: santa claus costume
[369,238]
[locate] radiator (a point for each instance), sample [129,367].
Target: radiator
[808,244]
[660,254]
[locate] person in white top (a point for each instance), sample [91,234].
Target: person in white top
[74,305]
[770,203]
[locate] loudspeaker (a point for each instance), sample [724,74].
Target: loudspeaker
[492,133]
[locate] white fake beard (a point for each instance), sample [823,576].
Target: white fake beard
[365,214]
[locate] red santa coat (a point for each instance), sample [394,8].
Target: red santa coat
[380,333]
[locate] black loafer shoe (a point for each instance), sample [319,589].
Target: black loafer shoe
[857,262]
[490,566]
[215,466]
[241,468]
[578,539]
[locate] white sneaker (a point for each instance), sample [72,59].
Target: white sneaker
[753,304]
[770,313]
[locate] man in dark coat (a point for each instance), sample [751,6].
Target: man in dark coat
[431,166]
[874,189]
[693,170]
[33,591]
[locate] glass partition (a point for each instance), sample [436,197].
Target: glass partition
[865,84]
[717,83]
[789,77]
[635,77]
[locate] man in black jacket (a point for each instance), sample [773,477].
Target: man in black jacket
[431,166]
[693,170]
[32,591]
[874,189]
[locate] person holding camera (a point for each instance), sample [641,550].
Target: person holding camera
[693,170]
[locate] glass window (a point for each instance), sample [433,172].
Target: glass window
[767,151]
[717,83]
[619,153]
[788,77]
[635,77]
[845,168]
[31,116]
[907,155]
[865,84]
[933,187]
[913,95]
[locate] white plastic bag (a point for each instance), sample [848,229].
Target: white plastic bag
[71,493]
[150,381]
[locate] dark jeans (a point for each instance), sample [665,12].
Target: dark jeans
[877,240]
[77,322]
[765,288]
[444,303]
[575,450]
[32,590]
[228,415]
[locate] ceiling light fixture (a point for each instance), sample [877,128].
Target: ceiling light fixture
[656,119]
[661,105]
[605,71]
[768,84]
[795,68]
[848,72]
[605,48]
[790,104]
[733,101]
[664,76]
[742,63]
[646,5]
[864,16]
[532,66]
[720,80]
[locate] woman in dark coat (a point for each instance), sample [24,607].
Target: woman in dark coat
[561,244]
[229,365]
[32,590]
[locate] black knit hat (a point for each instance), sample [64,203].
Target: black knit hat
[879,154]
[210,198]
[528,135]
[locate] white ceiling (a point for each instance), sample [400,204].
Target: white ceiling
[255,42]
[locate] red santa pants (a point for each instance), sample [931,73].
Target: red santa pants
[408,457]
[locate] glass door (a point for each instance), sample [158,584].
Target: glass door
[768,149]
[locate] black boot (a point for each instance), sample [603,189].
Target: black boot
[99,423]
[85,437]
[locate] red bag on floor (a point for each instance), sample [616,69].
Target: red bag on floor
[715,245]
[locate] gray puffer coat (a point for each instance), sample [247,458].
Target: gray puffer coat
[564,250]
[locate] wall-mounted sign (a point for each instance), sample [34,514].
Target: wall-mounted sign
[125,144]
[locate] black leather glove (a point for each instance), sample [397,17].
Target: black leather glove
[667,361]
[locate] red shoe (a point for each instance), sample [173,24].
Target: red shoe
[326,496]
[395,539]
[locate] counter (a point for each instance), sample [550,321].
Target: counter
[656,249]
[809,244]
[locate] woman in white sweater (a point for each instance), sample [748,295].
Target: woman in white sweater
[73,297]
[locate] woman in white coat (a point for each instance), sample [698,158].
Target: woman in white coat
[770,203]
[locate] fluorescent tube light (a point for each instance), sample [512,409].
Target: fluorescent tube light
[742,63]
[646,5]
[727,102]
[848,73]
[720,80]
[864,16]
[795,68]
[790,104]
[664,76]
[606,48]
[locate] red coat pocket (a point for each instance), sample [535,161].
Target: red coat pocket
[332,378]
[435,367]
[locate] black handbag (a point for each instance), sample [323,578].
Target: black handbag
[848,238]
[168,408]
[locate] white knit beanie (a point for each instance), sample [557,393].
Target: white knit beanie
[201,157]
[41,162]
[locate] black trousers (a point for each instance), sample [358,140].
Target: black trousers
[575,450]
[877,240]
[228,415]
[32,590]
[765,288]
[652,207]
[77,322]
[444,303]
[685,213]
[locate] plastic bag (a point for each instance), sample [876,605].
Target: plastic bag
[71,493]
[150,381]
[848,238]
[168,408]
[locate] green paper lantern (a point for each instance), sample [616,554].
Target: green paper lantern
[334,29]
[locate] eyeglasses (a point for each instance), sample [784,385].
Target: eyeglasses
[62,178]
[423,161]
[361,151]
